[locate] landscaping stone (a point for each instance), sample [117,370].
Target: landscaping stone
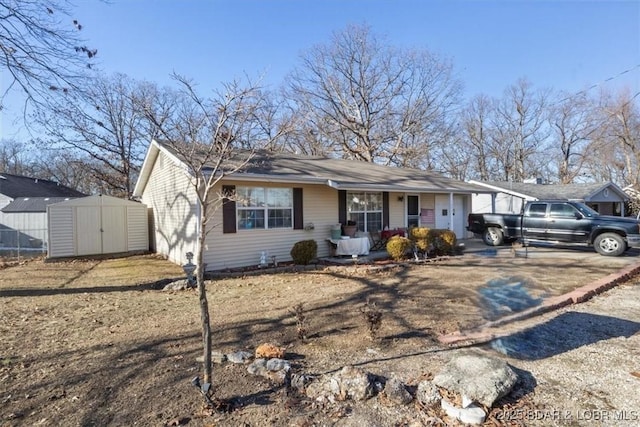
[427,394]
[258,367]
[216,357]
[396,392]
[177,285]
[481,378]
[472,414]
[299,382]
[350,383]
[240,357]
[269,351]
[278,365]
[355,383]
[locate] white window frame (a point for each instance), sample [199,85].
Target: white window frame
[364,227]
[266,202]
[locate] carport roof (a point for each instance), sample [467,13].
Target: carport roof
[32,204]
[554,191]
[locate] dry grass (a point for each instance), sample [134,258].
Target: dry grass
[91,342]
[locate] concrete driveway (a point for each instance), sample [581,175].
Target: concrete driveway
[580,254]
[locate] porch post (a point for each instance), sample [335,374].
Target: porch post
[451,211]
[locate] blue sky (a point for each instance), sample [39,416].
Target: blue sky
[566,45]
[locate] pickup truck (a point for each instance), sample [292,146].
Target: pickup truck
[557,222]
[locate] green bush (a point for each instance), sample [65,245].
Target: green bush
[304,251]
[398,246]
[444,241]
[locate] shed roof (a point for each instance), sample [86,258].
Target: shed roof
[15,186]
[337,173]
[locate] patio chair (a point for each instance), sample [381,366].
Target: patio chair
[376,241]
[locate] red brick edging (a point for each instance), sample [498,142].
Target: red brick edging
[491,330]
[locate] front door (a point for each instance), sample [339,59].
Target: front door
[413,211]
[445,214]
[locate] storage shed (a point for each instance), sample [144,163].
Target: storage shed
[97,225]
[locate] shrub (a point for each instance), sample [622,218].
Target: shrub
[398,246]
[444,241]
[304,251]
[420,238]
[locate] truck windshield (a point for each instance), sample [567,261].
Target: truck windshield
[585,210]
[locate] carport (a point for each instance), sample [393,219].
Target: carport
[96,225]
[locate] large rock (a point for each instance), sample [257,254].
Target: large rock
[350,383]
[355,384]
[479,377]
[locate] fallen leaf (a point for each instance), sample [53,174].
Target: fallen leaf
[636,374]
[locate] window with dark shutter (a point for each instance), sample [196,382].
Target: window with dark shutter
[228,209]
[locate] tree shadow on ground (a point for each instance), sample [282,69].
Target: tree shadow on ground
[563,333]
[39,292]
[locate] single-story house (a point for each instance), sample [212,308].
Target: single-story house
[23,210]
[509,197]
[286,198]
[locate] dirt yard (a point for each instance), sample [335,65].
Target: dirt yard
[97,342]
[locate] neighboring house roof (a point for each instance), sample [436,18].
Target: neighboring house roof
[15,186]
[32,204]
[337,173]
[530,191]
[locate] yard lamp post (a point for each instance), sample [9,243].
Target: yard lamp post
[189,268]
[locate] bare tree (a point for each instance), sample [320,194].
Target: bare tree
[614,152]
[41,51]
[572,125]
[15,158]
[215,137]
[108,126]
[520,131]
[476,132]
[364,100]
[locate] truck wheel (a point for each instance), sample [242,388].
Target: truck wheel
[492,236]
[609,244]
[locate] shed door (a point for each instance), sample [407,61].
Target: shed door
[114,229]
[88,239]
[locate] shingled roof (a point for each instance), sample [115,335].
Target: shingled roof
[337,173]
[552,191]
[32,204]
[15,186]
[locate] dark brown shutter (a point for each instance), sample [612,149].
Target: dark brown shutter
[228,209]
[385,209]
[342,207]
[298,218]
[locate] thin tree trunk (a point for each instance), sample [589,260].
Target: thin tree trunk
[204,304]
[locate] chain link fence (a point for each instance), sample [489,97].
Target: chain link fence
[18,244]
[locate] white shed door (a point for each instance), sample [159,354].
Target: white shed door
[114,229]
[88,239]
